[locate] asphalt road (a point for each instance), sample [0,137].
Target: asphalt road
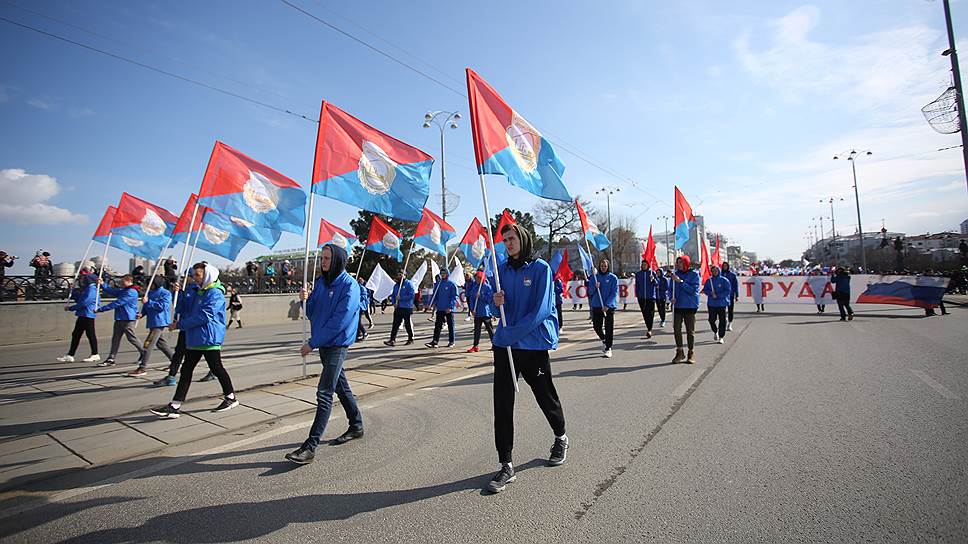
[799,428]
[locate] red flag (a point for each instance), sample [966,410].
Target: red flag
[684,219]
[564,273]
[704,272]
[649,253]
[717,258]
[185,219]
[506,219]
[378,230]
[104,227]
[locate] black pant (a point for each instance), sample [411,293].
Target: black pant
[360,329]
[213,358]
[561,317]
[439,324]
[687,316]
[535,367]
[717,320]
[365,314]
[82,326]
[606,315]
[486,322]
[401,315]
[660,305]
[843,304]
[647,305]
[176,359]
[729,310]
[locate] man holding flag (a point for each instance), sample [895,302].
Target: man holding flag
[646,292]
[445,302]
[402,299]
[479,298]
[603,292]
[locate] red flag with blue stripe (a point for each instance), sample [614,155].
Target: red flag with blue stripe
[384,239]
[141,228]
[331,234]
[433,232]
[685,221]
[474,244]
[104,227]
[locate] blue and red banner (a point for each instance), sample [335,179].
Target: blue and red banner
[499,249]
[331,234]
[474,244]
[433,232]
[506,144]
[141,228]
[104,227]
[685,221]
[592,234]
[359,165]
[383,239]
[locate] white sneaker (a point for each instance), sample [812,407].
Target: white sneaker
[715,337]
[66,359]
[720,341]
[661,324]
[608,354]
[729,326]
[92,359]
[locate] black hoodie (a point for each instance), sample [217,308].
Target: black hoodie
[337,265]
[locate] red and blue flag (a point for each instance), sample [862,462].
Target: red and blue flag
[104,227]
[359,165]
[331,234]
[433,232]
[213,232]
[383,239]
[474,244]
[685,221]
[141,228]
[499,248]
[506,144]
[592,233]
[238,186]
[236,226]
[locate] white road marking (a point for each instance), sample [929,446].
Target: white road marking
[684,386]
[944,391]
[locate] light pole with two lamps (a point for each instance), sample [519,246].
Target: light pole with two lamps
[442,119]
[608,191]
[852,157]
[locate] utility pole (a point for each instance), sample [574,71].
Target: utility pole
[952,53]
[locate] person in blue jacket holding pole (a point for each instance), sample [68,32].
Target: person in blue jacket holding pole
[734,293]
[603,296]
[364,310]
[479,298]
[402,299]
[445,303]
[646,292]
[686,285]
[84,295]
[530,329]
[662,294]
[156,307]
[718,293]
[333,309]
[182,307]
[559,300]
[125,308]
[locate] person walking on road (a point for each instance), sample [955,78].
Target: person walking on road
[333,309]
[402,298]
[841,281]
[718,293]
[646,292]
[204,326]
[125,308]
[182,308]
[364,311]
[662,293]
[84,295]
[734,293]
[686,285]
[156,307]
[603,296]
[235,306]
[531,331]
[559,301]
[445,304]
[479,298]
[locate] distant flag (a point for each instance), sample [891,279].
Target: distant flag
[592,234]
[560,269]
[502,252]
[649,254]
[435,271]
[104,227]
[218,236]
[457,272]
[383,239]
[586,260]
[419,275]
[704,272]
[717,258]
[684,219]
[474,244]
[357,164]
[433,232]
[380,283]
[506,144]
[141,228]
[331,234]
[241,187]
[217,224]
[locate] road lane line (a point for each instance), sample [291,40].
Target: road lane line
[944,391]
[684,386]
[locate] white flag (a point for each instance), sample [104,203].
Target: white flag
[435,270]
[380,283]
[457,274]
[418,276]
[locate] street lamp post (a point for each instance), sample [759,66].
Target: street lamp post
[833,222]
[608,191]
[450,119]
[852,157]
[668,250]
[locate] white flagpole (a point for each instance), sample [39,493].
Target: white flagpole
[360,268]
[77,272]
[188,238]
[308,227]
[100,272]
[315,263]
[497,279]
[588,248]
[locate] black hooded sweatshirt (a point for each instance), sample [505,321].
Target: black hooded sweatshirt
[337,265]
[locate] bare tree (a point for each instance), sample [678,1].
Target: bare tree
[626,248]
[557,220]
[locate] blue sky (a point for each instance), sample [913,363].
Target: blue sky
[742,104]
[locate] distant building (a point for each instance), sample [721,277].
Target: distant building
[964,227]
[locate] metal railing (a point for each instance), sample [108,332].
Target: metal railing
[31,288]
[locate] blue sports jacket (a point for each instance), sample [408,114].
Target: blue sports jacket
[841,284]
[403,293]
[733,283]
[662,287]
[529,306]
[158,308]
[333,311]
[724,292]
[686,293]
[125,304]
[364,299]
[607,285]
[84,301]
[559,292]
[203,320]
[645,285]
[480,305]
[446,296]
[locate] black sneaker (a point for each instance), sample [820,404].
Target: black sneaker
[501,479]
[351,434]
[167,412]
[451,344]
[108,362]
[390,343]
[408,342]
[431,344]
[558,452]
[227,404]
[208,377]
[302,456]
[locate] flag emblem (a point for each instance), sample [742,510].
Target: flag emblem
[152,224]
[132,242]
[479,247]
[257,194]
[435,234]
[339,240]
[391,242]
[377,169]
[524,141]
[241,222]
[214,235]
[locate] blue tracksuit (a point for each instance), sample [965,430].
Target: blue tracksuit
[529,305]
[204,319]
[662,288]
[482,301]
[559,292]
[446,296]
[125,305]
[724,292]
[403,293]
[185,300]
[645,285]
[84,301]
[158,308]
[733,283]
[607,286]
[364,299]
[333,311]
[686,293]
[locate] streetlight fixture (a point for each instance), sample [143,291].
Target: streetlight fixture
[852,157]
[608,191]
[833,223]
[442,119]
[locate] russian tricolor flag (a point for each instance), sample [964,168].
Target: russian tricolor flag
[918,291]
[383,239]
[331,234]
[685,221]
[357,164]
[433,232]
[506,144]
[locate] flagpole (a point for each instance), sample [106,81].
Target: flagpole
[315,263]
[406,260]
[100,272]
[188,238]
[433,296]
[497,278]
[308,228]
[360,268]
[77,272]
[595,273]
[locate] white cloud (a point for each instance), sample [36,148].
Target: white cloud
[40,104]
[25,199]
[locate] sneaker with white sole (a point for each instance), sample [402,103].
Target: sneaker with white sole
[729,326]
[138,372]
[661,324]
[227,404]
[65,359]
[92,359]
[721,340]
[607,354]
[501,479]
[715,337]
[166,412]
[108,362]
[559,451]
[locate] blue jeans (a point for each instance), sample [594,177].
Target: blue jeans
[333,379]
